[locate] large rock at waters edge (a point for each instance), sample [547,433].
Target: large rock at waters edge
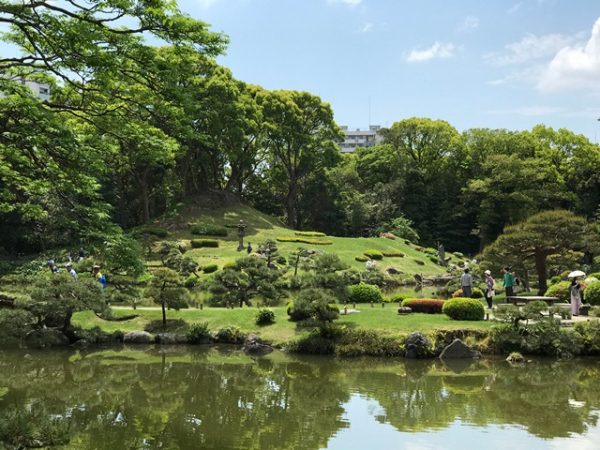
[138,337]
[459,350]
[417,346]
[46,337]
[255,346]
[171,338]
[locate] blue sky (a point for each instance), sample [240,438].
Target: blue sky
[493,63]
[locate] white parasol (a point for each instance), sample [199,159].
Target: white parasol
[577,273]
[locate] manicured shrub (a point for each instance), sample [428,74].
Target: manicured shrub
[199,333]
[561,290]
[199,243]
[374,254]
[393,254]
[419,248]
[419,262]
[190,281]
[433,259]
[555,279]
[208,229]
[464,309]
[361,259]
[231,265]
[150,229]
[592,294]
[210,268]
[589,334]
[398,298]
[424,305]
[314,304]
[281,260]
[476,293]
[310,233]
[230,335]
[303,240]
[431,251]
[265,316]
[365,293]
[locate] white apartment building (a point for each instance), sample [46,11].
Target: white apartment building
[360,138]
[39,90]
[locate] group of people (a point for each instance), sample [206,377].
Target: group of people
[96,272]
[509,280]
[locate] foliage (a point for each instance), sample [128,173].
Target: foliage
[464,309]
[200,243]
[424,305]
[122,254]
[265,316]
[165,289]
[589,335]
[302,240]
[420,262]
[365,293]
[152,230]
[393,254]
[210,268]
[313,304]
[476,293]
[401,227]
[592,294]
[14,326]
[374,254]
[560,290]
[325,273]
[208,229]
[198,333]
[361,258]
[230,335]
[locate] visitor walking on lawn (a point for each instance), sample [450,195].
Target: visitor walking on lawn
[508,282]
[490,288]
[575,296]
[466,283]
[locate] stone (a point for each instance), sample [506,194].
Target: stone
[253,345]
[417,346]
[138,337]
[46,337]
[171,338]
[459,350]
[403,310]
[81,344]
[515,358]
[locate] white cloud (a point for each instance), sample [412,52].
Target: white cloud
[351,3]
[528,75]
[440,50]
[535,110]
[514,8]
[574,66]
[529,48]
[470,23]
[366,27]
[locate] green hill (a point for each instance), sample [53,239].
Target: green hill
[261,227]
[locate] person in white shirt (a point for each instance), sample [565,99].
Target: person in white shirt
[71,271]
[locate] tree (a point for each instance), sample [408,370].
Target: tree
[314,304]
[301,138]
[324,274]
[248,279]
[166,290]
[541,236]
[54,300]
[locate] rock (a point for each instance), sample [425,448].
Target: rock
[393,271]
[81,344]
[515,358]
[404,310]
[459,350]
[171,338]
[417,346]
[138,337]
[46,337]
[253,345]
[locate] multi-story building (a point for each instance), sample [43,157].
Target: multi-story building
[39,90]
[360,138]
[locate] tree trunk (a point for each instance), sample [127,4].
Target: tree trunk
[145,197]
[291,203]
[540,267]
[164,315]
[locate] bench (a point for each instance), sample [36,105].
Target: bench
[517,299]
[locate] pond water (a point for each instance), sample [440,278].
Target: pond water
[218,398]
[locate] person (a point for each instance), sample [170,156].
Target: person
[71,271]
[370,264]
[575,296]
[249,248]
[490,288]
[81,254]
[466,283]
[508,281]
[99,276]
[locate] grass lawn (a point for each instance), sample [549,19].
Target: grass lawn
[376,318]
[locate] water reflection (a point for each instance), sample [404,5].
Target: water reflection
[219,398]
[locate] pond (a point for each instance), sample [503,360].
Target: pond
[218,398]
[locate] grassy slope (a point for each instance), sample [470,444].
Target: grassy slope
[261,227]
[377,318]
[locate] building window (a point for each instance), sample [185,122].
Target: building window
[44,91]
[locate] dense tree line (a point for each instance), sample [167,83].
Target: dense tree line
[134,129]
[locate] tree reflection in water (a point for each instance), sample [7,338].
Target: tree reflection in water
[219,398]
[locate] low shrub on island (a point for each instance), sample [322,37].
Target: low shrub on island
[424,305]
[265,316]
[464,309]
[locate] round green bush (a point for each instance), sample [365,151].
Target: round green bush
[199,243]
[464,309]
[199,333]
[281,260]
[210,268]
[561,290]
[365,293]
[265,316]
[361,259]
[313,304]
[398,298]
[555,279]
[592,294]
[393,254]
[419,262]
[374,254]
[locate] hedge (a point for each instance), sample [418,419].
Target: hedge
[150,229]
[419,262]
[302,240]
[424,305]
[310,233]
[365,293]
[208,229]
[393,254]
[361,258]
[199,243]
[210,268]
[464,309]
[592,294]
[374,254]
